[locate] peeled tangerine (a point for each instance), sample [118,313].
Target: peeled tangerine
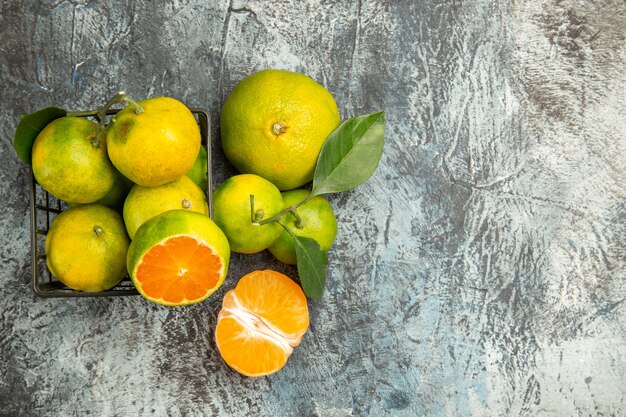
[262,319]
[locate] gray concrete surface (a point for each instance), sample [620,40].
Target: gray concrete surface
[479,272]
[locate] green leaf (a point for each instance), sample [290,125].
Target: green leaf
[350,154]
[312,264]
[29,127]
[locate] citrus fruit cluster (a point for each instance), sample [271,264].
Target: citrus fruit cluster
[273,126]
[132,207]
[136,189]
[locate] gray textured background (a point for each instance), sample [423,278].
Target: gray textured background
[479,272]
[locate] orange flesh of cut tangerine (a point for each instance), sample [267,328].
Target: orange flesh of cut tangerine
[262,319]
[179,270]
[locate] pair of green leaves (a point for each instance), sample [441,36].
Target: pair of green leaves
[348,158]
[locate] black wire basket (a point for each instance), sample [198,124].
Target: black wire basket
[44,208]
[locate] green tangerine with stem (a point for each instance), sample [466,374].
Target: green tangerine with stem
[232,215]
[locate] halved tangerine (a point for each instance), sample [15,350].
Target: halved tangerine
[178,258]
[262,319]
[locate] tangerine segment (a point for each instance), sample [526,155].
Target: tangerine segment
[277,299]
[247,351]
[179,270]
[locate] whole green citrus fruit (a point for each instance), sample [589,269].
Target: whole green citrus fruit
[143,203]
[274,124]
[86,248]
[67,163]
[156,146]
[117,194]
[317,221]
[231,212]
[198,172]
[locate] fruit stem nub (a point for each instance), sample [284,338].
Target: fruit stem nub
[82,113]
[252,208]
[256,216]
[136,106]
[279,215]
[97,230]
[279,128]
[186,203]
[299,224]
[102,113]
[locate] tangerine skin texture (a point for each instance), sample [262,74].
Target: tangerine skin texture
[269,99]
[81,258]
[318,221]
[67,165]
[231,211]
[144,203]
[198,172]
[157,146]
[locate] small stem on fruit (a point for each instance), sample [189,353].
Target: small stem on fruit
[271,219]
[310,196]
[97,230]
[255,216]
[186,203]
[258,215]
[116,99]
[136,106]
[278,128]
[290,209]
[299,224]
[102,113]
[82,113]
[252,208]
[288,230]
